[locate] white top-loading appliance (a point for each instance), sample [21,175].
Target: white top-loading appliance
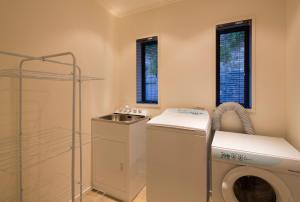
[254,168]
[176,147]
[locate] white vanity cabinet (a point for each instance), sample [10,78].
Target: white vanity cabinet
[118,158]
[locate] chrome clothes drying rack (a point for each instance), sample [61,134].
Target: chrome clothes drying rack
[75,77]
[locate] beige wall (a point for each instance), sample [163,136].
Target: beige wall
[8,142]
[293,71]
[83,27]
[187,56]
[105,47]
[37,27]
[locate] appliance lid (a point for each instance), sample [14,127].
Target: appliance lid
[183,118]
[269,152]
[262,145]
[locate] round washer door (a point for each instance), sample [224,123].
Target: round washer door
[248,184]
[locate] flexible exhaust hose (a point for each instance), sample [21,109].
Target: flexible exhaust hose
[239,110]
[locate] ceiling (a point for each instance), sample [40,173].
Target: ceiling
[123,8]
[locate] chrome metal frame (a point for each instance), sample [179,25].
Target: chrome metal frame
[21,74]
[29,74]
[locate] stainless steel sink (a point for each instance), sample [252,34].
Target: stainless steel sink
[121,118]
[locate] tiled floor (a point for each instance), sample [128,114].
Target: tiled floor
[94,196]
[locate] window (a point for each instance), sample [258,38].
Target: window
[234,63]
[147,81]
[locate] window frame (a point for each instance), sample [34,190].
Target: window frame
[238,26]
[143,43]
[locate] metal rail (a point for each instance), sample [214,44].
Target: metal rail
[45,58]
[29,74]
[80,137]
[52,76]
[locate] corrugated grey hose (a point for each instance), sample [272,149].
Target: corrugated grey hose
[239,110]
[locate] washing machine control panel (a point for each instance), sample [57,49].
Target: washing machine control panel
[233,156]
[245,158]
[197,112]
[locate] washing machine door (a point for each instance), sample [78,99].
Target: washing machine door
[248,184]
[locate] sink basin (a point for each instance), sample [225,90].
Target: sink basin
[122,118]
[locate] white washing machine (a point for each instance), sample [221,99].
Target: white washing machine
[251,168]
[176,147]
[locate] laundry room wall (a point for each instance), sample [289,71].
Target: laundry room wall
[186,31]
[293,71]
[38,28]
[8,141]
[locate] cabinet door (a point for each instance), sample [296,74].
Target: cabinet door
[109,163]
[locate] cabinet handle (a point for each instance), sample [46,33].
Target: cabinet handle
[121,166]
